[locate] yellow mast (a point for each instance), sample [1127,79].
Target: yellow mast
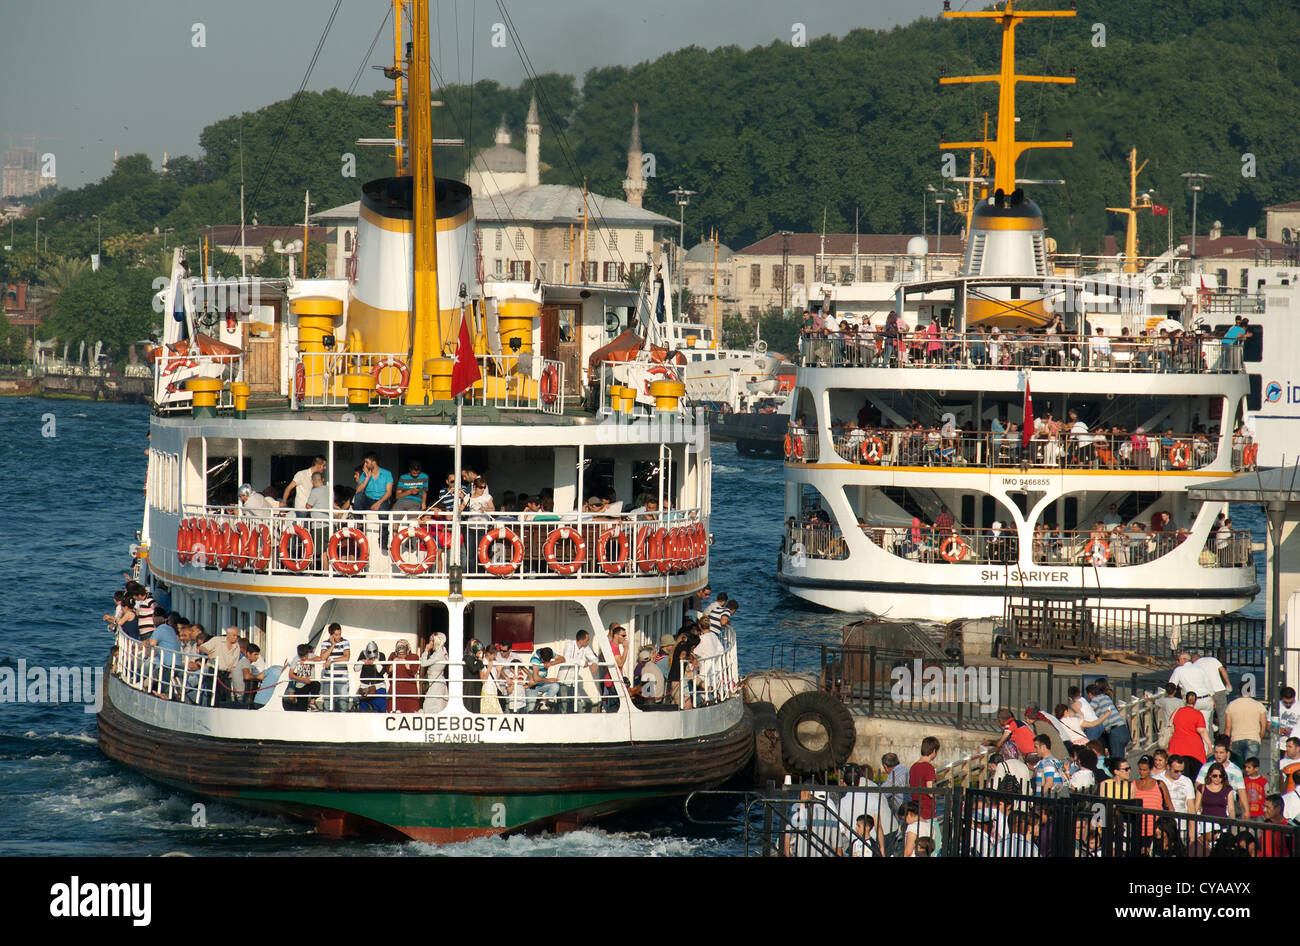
[398,156]
[1005,149]
[584,231]
[426,335]
[1131,232]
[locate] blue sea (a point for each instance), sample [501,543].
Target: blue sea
[80,469]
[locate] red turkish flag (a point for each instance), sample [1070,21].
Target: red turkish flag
[1027,434]
[464,369]
[1158,211]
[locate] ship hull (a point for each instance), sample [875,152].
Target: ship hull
[426,792]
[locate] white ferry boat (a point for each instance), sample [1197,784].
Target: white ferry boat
[912,488]
[427,736]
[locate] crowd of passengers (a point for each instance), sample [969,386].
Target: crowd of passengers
[375,489]
[1054,443]
[1112,541]
[1210,763]
[855,341]
[186,664]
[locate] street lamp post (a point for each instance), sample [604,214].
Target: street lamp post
[1194,179]
[36,243]
[99,233]
[683,198]
[165,232]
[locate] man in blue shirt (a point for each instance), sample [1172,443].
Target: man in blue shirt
[412,488]
[376,487]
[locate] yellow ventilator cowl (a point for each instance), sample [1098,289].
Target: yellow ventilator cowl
[667,394]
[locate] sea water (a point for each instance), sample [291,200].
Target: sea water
[77,477]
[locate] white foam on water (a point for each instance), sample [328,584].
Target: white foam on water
[586,842]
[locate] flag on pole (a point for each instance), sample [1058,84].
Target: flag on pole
[464,366]
[1159,211]
[1027,434]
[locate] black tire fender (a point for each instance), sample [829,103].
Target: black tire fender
[833,716]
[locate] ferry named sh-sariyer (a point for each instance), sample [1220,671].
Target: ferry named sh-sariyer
[1017,430]
[445,640]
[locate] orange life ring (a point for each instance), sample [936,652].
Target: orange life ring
[422,535]
[649,549]
[873,449]
[612,566]
[953,548]
[579,550]
[703,544]
[300,381]
[1250,454]
[550,386]
[225,544]
[180,364]
[1097,548]
[357,563]
[793,447]
[391,390]
[257,551]
[500,534]
[184,542]
[1179,456]
[206,547]
[667,551]
[307,549]
[238,545]
[662,371]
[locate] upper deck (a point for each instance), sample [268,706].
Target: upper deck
[993,350]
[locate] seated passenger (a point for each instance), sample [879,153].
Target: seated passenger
[372,690]
[254,673]
[301,687]
[647,679]
[412,488]
[542,688]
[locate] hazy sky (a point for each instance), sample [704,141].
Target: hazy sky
[91,76]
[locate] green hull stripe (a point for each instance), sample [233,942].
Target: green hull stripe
[454,812]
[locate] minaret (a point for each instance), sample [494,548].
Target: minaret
[532,146]
[634,183]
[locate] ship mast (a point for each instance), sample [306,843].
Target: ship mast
[426,335]
[1005,148]
[1131,232]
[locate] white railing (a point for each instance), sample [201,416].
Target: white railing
[510,382]
[713,679]
[318,377]
[519,383]
[182,675]
[411,544]
[171,371]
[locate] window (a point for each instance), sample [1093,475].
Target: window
[756,276]
[1222,275]
[347,241]
[613,272]
[613,239]
[500,240]
[846,274]
[519,241]
[778,277]
[589,272]
[638,244]
[1252,347]
[889,273]
[866,274]
[798,273]
[521,270]
[637,269]
[1253,397]
[541,271]
[500,267]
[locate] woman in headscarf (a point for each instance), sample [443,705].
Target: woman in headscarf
[406,677]
[373,693]
[433,661]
